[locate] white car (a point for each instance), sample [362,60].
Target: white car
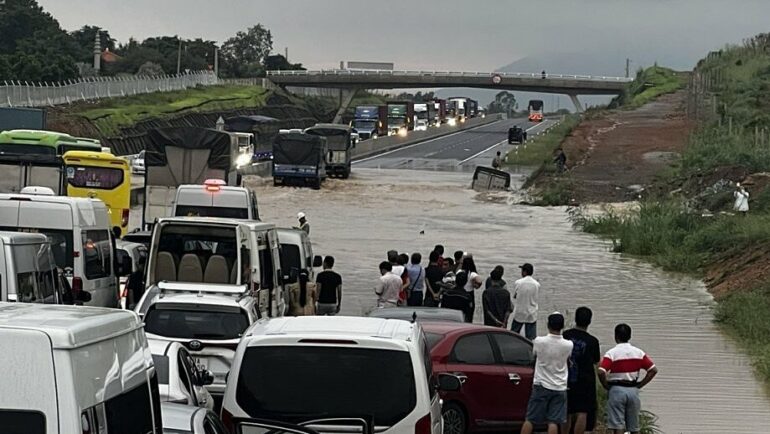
[338,365]
[180,379]
[184,419]
[137,164]
[207,319]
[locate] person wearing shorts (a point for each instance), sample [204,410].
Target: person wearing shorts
[548,401]
[581,394]
[620,372]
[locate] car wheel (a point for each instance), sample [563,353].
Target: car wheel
[454,419]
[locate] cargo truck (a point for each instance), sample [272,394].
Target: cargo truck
[184,155]
[440,115]
[424,116]
[340,144]
[459,107]
[398,118]
[473,108]
[535,107]
[299,158]
[367,122]
[263,129]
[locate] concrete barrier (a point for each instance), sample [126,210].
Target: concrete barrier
[372,147]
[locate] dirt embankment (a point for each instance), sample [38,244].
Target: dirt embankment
[613,156]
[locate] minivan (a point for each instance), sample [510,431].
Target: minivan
[70,369]
[81,240]
[215,199]
[306,370]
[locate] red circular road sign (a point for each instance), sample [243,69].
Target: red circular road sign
[496,79]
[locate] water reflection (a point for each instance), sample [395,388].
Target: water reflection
[705,385]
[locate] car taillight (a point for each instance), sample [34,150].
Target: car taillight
[77,284]
[423,425]
[227,420]
[124,217]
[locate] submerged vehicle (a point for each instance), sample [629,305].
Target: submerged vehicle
[516,135]
[340,143]
[299,158]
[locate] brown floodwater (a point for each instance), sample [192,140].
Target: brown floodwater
[705,384]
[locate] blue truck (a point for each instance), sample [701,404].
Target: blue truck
[299,159]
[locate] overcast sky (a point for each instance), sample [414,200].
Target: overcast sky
[469,35]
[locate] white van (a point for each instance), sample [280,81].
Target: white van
[343,368]
[72,369]
[215,199]
[201,252]
[79,230]
[296,254]
[27,269]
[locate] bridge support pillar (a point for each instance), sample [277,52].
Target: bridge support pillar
[346,97]
[576,102]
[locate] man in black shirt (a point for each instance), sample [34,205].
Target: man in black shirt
[581,394]
[496,300]
[433,277]
[329,289]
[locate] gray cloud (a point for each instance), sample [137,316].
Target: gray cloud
[443,34]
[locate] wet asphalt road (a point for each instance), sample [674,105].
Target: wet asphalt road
[461,151]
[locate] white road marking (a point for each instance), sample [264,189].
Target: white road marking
[424,142]
[494,146]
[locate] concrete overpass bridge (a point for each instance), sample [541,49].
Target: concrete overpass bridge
[352,80]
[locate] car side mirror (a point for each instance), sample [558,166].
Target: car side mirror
[449,383]
[317,261]
[206,377]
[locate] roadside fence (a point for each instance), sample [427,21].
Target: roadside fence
[24,94]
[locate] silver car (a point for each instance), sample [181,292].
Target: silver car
[180,380]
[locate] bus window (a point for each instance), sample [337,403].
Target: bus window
[103,178]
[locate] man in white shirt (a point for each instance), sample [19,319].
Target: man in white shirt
[548,401]
[388,287]
[525,293]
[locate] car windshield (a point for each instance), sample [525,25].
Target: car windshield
[270,377]
[195,323]
[433,338]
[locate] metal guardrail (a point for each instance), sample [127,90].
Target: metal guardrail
[361,72]
[24,94]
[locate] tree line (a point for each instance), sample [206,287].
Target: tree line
[34,48]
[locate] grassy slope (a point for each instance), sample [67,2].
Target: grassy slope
[112,114]
[649,84]
[671,234]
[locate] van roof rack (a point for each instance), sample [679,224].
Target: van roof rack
[200,288]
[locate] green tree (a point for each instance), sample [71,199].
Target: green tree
[33,45]
[505,102]
[243,54]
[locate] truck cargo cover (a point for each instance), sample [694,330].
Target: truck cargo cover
[299,149]
[188,138]
[337,135]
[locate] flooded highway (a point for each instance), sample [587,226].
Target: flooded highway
[705,384]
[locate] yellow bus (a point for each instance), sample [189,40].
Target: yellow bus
[102,176]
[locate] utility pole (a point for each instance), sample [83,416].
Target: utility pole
[628,67]
[286,55]
[179,57]
[216,62]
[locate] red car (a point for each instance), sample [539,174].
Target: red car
[496,367]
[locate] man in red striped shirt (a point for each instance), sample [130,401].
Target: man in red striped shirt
[619,372]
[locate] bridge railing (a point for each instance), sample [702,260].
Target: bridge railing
[360,72]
